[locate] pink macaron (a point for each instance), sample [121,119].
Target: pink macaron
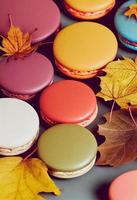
[24,78]
[124,187]
[29,15]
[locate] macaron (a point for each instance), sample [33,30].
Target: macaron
[29,15]
[24,78]
[19,126]
[126,25]
[124,187]
[68,150]
[82,49]
[88,9]
[68,101]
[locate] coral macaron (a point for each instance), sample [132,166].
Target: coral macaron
[82,49]
[29,15]
[68,101]
[68,150]
[19,126]
[124,187]
[88,9]
[24,78]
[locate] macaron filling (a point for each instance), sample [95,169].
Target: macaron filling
[78,73]
[20,96]
[128,42]
[84,123]
[72,174]
[87,14]
[18,150]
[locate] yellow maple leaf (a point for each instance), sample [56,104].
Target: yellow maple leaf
[131,11]
[120,83]
[17,43]
[24,179]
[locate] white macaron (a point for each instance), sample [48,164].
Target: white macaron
[19,126]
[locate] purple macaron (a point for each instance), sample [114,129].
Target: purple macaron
[24,78]
[30,15]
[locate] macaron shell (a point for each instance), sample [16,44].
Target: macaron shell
[29,15]
[26,76]
[124,187]
[77,74]
[67,147]
[19,123]
[18,150]
[88,5]
[73,174]
[128,45]
[85,46]
[68,102]
[127,27]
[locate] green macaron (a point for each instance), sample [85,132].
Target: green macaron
[68,150]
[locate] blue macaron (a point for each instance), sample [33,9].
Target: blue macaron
[126,26]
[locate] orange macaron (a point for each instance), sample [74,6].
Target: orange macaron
[87,9]
[82,49]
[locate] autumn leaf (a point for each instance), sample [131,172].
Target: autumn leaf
[24,179]
[17,43]
[120,83]
[120,146]
[131,11]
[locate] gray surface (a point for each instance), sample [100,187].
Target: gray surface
[93,185]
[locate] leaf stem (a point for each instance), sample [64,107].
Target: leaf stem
[111,112]
[10,19]
[131,115]
[28,156]
[33,31]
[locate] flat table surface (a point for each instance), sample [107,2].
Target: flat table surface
[93,185]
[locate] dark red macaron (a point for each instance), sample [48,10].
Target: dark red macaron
[23,78]
[68,101]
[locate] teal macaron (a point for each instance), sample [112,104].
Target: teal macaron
[126,24]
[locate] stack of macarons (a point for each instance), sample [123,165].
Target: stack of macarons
[69,103]
[26,77]
[81,51]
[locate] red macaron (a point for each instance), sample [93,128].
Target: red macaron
[68,101]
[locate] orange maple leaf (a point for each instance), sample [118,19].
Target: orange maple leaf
[17,43]
[131,11]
